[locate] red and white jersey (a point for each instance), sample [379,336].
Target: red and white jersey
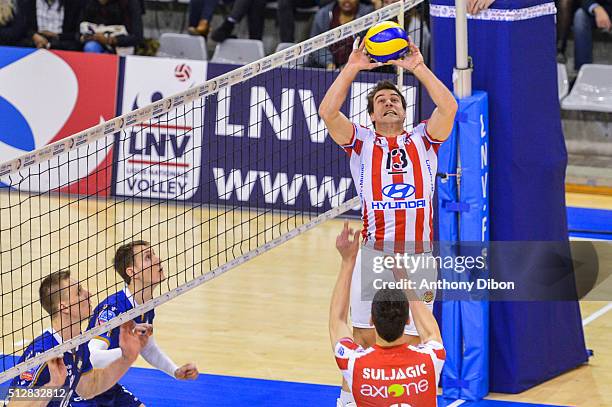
[398,376]
[395,179]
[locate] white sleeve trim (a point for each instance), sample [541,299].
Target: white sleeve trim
[351,143]
[429,137]
[157,358]
[100,356]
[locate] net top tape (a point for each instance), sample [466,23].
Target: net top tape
[207,88]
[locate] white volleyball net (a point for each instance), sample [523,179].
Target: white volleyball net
[211,177]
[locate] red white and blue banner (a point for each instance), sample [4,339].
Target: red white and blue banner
[46,96]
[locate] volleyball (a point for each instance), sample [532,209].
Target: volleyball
[386,41]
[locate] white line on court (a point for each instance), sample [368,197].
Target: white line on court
[22,342]
[456,403]
[597,314]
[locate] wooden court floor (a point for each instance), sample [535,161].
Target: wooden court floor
[268,318]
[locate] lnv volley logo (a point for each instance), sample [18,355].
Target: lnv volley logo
[159,158]
[38,109]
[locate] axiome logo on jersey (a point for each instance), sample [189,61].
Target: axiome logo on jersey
[398,191]
[395,390]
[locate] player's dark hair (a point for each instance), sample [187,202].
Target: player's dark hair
[382,85]
[50,291]
[124,258]
[390,313]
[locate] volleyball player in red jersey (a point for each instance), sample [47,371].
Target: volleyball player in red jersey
[393,171]
[391,372]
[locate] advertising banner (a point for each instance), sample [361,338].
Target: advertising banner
[266,146]
[161,158]
[46,96]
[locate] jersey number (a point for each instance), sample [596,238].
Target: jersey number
[391,166]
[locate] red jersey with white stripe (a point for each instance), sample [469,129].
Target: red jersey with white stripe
[395,179]
[397,376]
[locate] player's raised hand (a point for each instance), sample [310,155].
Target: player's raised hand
[412,60]
[348,248]
[132,338]
[188,371]
[359,59]
[57,371]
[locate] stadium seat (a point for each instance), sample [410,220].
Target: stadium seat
[592,90]
[238,51]
[562,81]
[182,46]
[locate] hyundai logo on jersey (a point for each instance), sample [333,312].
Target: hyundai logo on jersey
[398,191]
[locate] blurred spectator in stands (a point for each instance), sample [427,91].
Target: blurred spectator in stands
[565,13]
[52,24]
[109,26]
[254,9]
[12,21]
[200,14]
[331,16]
[593,13]
[286,17]
[476,6]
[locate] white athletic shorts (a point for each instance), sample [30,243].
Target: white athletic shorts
[422,267]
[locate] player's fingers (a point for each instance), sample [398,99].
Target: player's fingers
[361,44]
[143,329]
[128,326]
[356,235]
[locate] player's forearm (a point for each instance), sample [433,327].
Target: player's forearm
[338,310]
[157,358]
[337,93]
[442,97]
[37,403]
[100,380]
[424,321]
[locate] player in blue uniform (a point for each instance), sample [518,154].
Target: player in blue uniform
[142,271]
[68,304]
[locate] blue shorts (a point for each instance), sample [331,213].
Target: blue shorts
[116,396]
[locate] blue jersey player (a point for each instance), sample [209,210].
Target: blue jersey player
[72,375]
[142,271]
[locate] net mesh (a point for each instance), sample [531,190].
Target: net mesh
[211,178]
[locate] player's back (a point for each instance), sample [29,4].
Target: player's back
[380,376]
